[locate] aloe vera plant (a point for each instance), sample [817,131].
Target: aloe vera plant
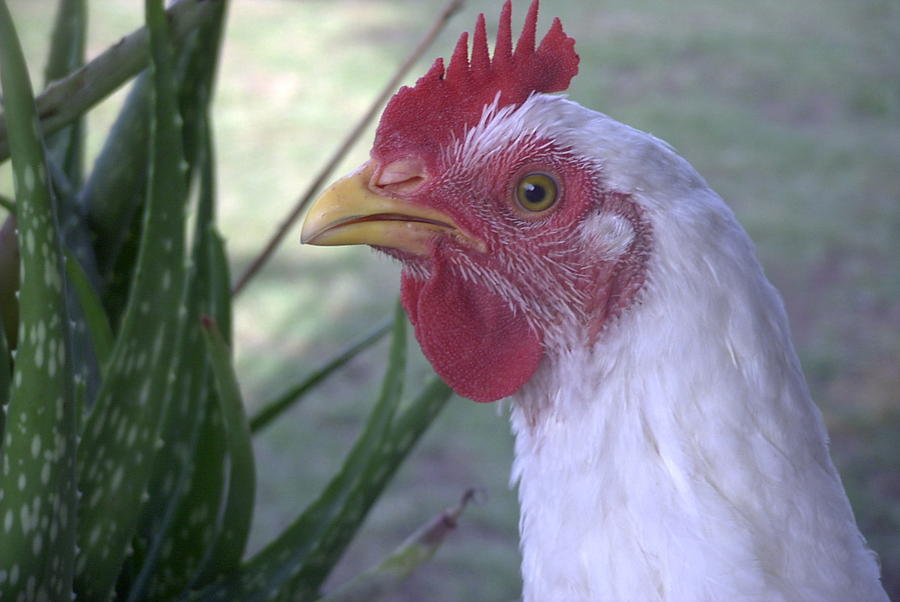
[127,464]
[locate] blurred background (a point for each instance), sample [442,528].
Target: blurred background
[791,111]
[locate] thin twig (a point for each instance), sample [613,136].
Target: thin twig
[8,204]
[452,7]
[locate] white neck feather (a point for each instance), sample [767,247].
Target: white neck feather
[682,458]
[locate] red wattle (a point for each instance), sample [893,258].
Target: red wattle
[471,337]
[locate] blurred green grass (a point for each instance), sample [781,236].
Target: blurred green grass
[791,111]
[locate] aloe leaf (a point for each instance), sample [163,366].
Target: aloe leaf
[171,475]
[120,438]
[90,334]
[5,382]
[238,512]
[161,568]
[65,150]
[116,187]
[273,409]
[415,418]
[199,57]
[96,322]
[198,516]
[172,467]
[37,482]
[179,542]
[268,573]
[114,192]
[383,462]
[65,100]
[294,565]
[334,505]
[190,556]
[415,551]
[225,422]
[65,147]
[9,280]
[221,285]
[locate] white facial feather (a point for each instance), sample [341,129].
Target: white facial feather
[499,128]
[607,234]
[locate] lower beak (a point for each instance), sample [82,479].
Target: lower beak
[350,212]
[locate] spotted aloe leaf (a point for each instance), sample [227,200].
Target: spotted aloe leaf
[188,555]
[294,566]
[163,562]
[114,192]
[97,329]
[228,547]
[66,147]
[65,150]
[189,539]
[9,279]
[182,515]
[5,381]
[193,556]
[155,553]
[121,435]
[37,484]
[219,541]
[268,574]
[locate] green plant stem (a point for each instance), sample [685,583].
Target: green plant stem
[452,7]
[64,100]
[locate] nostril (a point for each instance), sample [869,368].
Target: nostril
[406,186]
[399,177]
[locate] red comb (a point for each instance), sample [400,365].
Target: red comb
[419,120]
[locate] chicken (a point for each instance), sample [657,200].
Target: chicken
[666,444]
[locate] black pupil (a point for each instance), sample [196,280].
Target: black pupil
[534,193]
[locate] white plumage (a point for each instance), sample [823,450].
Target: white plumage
[680,457]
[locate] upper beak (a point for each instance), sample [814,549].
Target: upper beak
[350,212]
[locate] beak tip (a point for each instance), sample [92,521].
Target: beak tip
[311,239]
[313,228]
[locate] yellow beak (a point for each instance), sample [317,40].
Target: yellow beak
[350,212]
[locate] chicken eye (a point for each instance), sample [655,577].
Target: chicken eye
[536,192]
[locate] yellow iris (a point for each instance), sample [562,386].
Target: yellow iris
[536,192]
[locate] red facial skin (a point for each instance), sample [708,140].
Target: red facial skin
[486,340]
